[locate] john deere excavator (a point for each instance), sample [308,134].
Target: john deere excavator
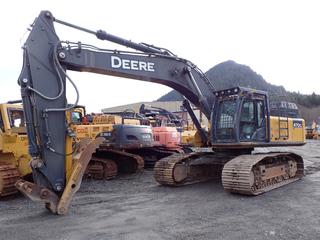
[240,119]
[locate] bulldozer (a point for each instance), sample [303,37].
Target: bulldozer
[14,156]
[240,119]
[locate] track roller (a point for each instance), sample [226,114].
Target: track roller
[9,174]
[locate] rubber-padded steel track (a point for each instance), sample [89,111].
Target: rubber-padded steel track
[154,154]
[9,174]
[107,163]
[184,169]
[101,168]
[259,173]
[128,162]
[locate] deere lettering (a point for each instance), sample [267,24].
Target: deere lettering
[117,62]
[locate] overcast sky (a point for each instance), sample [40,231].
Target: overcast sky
[278,39]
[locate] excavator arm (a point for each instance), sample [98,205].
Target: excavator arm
[56,165]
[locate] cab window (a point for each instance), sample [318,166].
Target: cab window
[226,118]
[247,113]
[76,117]
[227,114]
[252,121]
[260,113]
[16,118]
[1,122]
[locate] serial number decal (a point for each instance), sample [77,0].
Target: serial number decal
[297,124]
[117,62]
[146,136]
[82,130]
[105,134]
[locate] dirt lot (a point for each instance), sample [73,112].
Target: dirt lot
[135,207]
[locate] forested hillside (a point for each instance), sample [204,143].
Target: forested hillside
[231,74]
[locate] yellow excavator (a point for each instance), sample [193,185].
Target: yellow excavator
[240,119]
[14,157]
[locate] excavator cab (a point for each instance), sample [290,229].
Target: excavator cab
[241,115]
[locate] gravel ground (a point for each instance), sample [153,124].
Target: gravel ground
[136,207]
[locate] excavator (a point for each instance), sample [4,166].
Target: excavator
[119,135]
[188,135]
[130,144]
[160,116]
[166,128]
[240,118]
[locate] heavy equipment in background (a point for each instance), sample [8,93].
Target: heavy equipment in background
[315,130]
[167,129]
[190,137]
[134,141]
[119,134]
[164,122]
[129,145]
[240,119]
[309,132]
[142,143]
[14,157]
[160,116]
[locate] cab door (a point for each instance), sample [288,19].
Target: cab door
[252,121]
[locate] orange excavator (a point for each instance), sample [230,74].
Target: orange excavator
[166,129]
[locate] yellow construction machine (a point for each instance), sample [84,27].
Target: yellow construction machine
[309,132]
[315,130]
[190,137]
[14,157]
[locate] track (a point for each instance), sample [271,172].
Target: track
[184,169]
[107,163]
[259,173]
[9,174]
[101,168]
[250,174]
[153,154]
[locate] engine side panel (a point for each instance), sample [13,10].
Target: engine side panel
[287,129]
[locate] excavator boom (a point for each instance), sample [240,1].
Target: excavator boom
[43,90]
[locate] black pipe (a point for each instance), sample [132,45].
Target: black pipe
[103,35]
[14,102]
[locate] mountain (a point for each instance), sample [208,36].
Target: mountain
[231,74]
